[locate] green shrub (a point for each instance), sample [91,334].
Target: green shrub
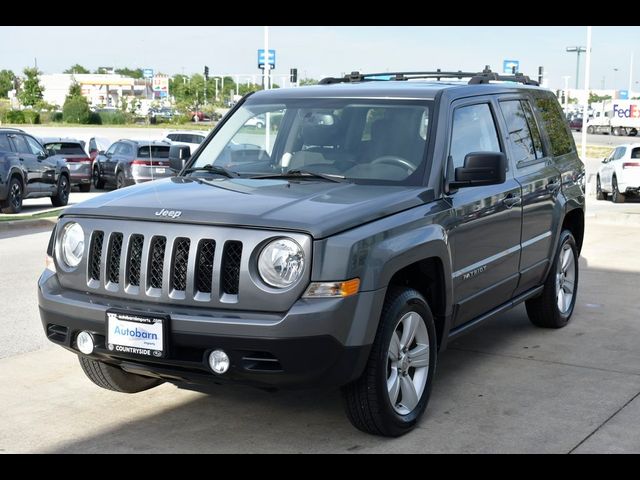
[15,116]
[94,119]
[76,110]
[115,118]
[50,117]
[31,117]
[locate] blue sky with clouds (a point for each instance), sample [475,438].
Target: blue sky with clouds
[319,51]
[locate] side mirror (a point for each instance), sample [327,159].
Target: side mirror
[481,169]
[178,156]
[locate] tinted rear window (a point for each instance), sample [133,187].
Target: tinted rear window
[556,126]
[66,148]
[4,143]
[156,152]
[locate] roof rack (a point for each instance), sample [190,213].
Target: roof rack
[475,78]
[12,128]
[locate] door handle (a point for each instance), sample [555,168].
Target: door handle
[553,187]
[21,159]
[511,201]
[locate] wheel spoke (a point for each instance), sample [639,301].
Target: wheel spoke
[568,286]
[409,394]
[566,259]
[393,386]
[561,296]
[409,327]
[419,356]
[394,348]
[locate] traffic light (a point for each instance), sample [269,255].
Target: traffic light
[294,75]
[540,75]
[206,72]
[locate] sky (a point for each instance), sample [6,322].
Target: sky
[327,51]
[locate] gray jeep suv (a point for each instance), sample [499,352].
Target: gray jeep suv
[373,220]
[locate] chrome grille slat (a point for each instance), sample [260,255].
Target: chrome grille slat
[113,257]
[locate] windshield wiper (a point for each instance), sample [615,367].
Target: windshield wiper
[297,173]
[218,170]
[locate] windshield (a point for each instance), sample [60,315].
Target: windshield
[367,141]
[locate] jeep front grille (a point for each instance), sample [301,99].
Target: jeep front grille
[167,263]
[187,265]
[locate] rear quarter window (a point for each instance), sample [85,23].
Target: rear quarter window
[66,148]
[554,123]
[4,143]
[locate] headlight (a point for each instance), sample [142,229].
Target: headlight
[281,263]
[72,244]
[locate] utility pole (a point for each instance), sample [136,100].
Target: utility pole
[578,51]
[566,92]
[585,107]
[267,86]
[630,74]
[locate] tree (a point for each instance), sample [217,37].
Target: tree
[308,81]
[128,72]
[77,68]
[7,79]
[31,91]
[76,107]
[593,98]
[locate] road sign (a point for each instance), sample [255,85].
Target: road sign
[508,65]
[272,58]
[160,86]
[147,73]
[623,94]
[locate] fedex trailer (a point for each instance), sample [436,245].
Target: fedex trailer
[615,117]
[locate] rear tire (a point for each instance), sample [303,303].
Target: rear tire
[545,311]
[616,196]
[393,391]
[85,187]
[61,198]
[591,130]
[13,203]
[98,182]
[114,378]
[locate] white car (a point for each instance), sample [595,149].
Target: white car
[619,174]
[190,138]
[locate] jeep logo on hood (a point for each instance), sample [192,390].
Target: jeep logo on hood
[168,213]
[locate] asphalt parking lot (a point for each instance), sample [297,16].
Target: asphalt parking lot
[507,387]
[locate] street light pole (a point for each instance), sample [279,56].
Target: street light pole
[566,93]
[585,107]
[615,70]
[578,51]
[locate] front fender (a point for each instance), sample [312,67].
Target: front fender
[375,251]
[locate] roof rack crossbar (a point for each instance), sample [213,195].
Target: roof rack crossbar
[476,78]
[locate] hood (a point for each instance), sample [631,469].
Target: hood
[318,208]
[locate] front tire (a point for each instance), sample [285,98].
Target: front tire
[61,198]
[554,307]
[13,203]
[616,196]
[600,195]
[120,181]
[392,393]
[114,378]
[591,130]
[98,182]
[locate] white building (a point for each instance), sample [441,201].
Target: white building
[98,89]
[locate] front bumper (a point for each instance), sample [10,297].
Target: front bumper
[318,343]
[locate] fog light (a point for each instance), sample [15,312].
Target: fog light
[84,340]
[219,362]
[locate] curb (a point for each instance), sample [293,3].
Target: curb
[29,223]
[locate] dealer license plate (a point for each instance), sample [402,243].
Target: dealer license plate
[161,171]
[135,334]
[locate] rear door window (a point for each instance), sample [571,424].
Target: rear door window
[20,144]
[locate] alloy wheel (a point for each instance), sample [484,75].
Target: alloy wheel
[408,363]
[565,279]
